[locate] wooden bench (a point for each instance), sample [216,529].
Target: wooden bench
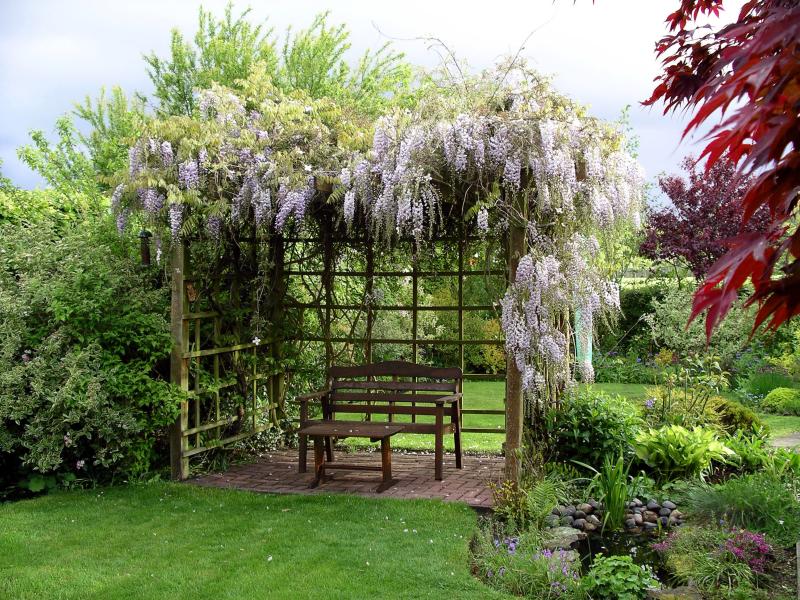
[319,432]
[390,388]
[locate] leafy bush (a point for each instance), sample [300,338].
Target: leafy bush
[782,401]
[668,327]
[590,426]
[759,502]
[733,416]
[751,452]
[674,451]
[613,368]
[518,565]
[630,332]
[618,578]
[84,348]
[761,384]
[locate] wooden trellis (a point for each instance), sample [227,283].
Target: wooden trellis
[208,369]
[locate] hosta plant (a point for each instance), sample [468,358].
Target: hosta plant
[674,451]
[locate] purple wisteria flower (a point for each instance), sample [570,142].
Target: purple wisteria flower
[188,174]
[152,200]
[175,219]
[167,156]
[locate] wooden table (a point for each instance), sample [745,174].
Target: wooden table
[341,429]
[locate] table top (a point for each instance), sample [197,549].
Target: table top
[352,429]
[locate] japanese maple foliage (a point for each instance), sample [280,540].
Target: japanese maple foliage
[748,71]
[706,213]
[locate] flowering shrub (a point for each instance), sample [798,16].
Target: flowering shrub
[749,547]
[520,566]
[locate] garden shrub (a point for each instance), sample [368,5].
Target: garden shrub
[733,416]
[673,451]
[591,425]
[630,331]
[613,368]
[618,578]
[669,330]
[782,401]
[84,349]
[760,384]
[522,508]
[759,502]
[518,565]
[717,560]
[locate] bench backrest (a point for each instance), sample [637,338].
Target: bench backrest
[392,381]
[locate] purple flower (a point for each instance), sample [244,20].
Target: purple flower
[650,403]
[214,226]
[175,219]
[79,464]
[188,174]
[152,201]
[167,155]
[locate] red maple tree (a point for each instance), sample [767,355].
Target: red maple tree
[706,213]
[749,72]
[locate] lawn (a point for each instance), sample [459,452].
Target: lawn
[179,541]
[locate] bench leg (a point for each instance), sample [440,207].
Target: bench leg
[439,448]
[329,448]
[319,460]
[386,466]
[456,420]
[302,466]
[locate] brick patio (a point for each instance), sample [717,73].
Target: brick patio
[276,473]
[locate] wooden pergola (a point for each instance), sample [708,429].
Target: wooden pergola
[233,387]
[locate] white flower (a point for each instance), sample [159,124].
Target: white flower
[256,340]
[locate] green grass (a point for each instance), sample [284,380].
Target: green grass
[180,541]
[780,426]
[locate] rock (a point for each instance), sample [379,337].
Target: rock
[588,528]
[639,510]
[649,526]
[678,593]
[653,505]
[586,508]
[566,521]
[664,521]
[630,523]
[664,512]
[579,514]
[677,514]
[636,502]
[568,511]
[593,503]
[669,505]
[579,524]
[562,538]
[649,516]
[638,519]
[557,511]
[551,520]
[593,520]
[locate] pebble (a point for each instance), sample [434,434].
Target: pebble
[579,524]
[664,512]
[653,505]
[579,514]
[669,505]
[566,521]
[649,516]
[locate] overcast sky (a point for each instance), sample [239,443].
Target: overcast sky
[54,52]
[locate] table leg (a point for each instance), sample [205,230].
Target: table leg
[386,465]
[319,460]
[439,448]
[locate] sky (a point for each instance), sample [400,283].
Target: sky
[601,53]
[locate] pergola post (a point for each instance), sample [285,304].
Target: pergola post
[179,372]
[514,406]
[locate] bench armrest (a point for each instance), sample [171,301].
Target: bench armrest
[449,399]
[319,395]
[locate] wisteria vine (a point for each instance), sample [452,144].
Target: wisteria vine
[510,154]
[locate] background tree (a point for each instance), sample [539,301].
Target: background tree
[749,71]
[706,213]
[226,50]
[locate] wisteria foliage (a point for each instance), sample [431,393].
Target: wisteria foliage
[508,150]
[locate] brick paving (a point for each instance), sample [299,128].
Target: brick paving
[276,473]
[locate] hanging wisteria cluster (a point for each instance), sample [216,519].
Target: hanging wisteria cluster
[506,155]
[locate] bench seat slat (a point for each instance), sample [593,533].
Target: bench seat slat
[388,410]
[385,397]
